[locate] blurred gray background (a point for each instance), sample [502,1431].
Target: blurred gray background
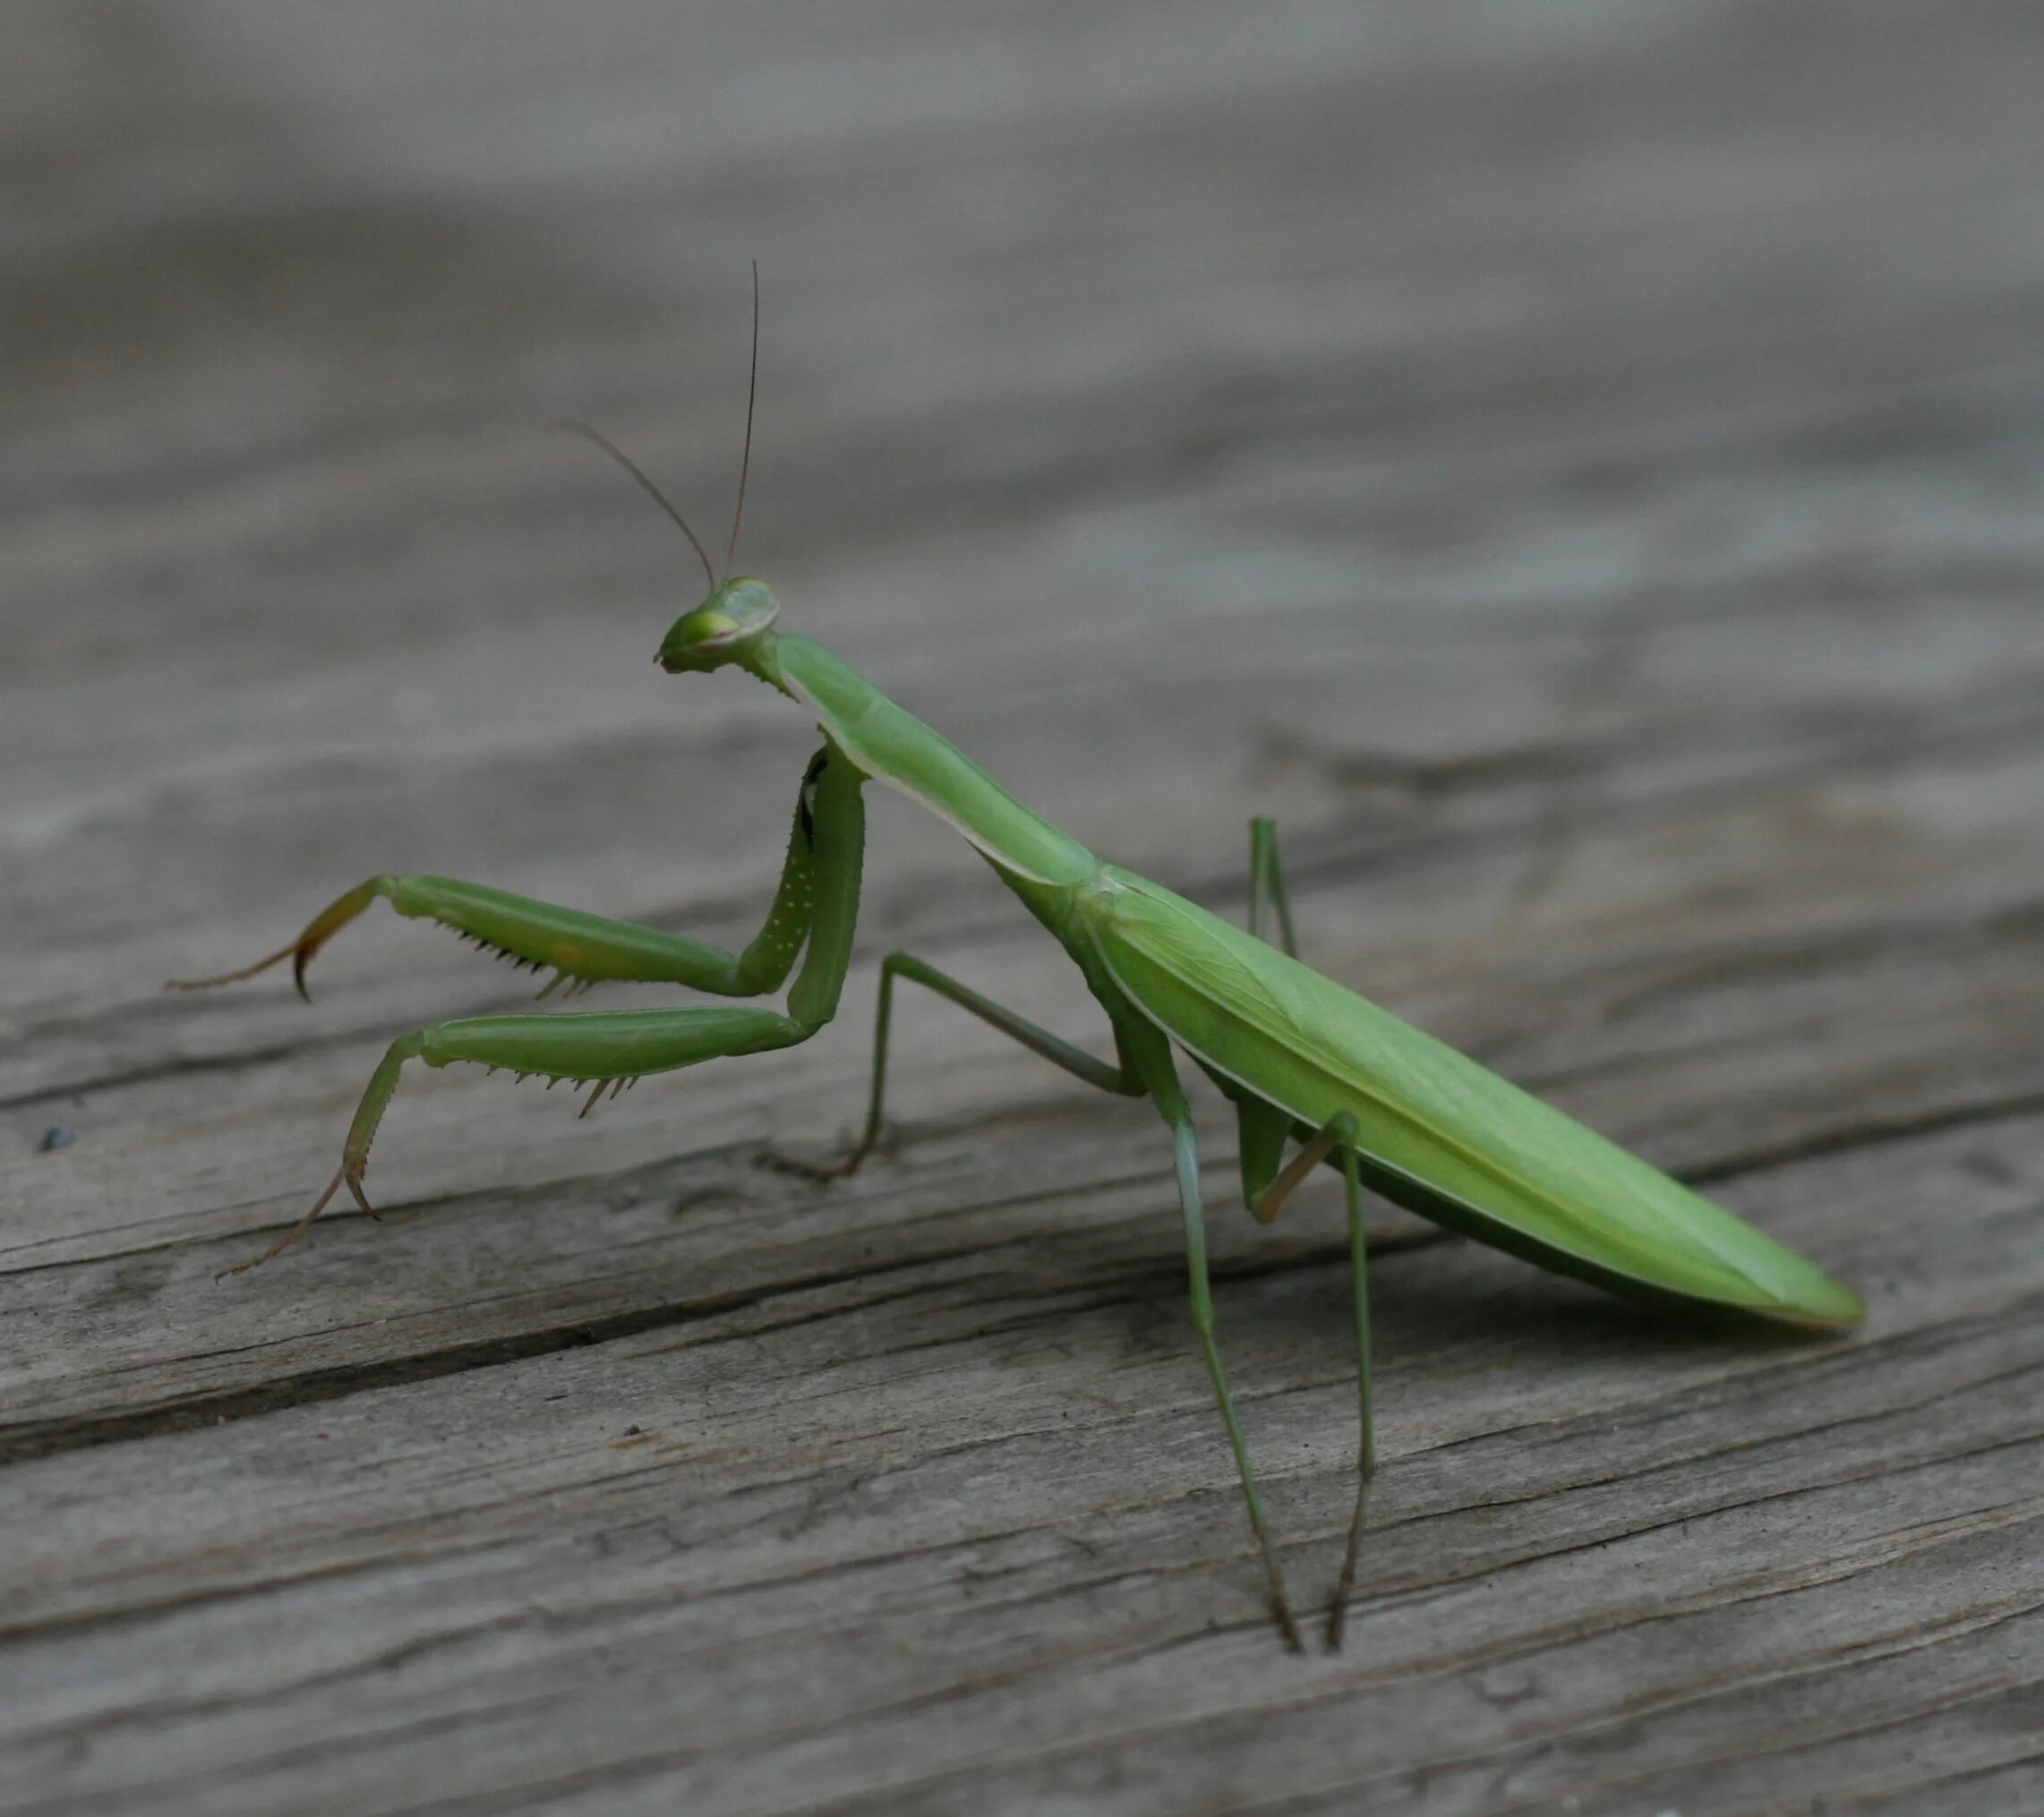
[1578,464]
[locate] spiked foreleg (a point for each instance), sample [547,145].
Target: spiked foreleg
[579,949]
[609,1051]
[614,1050]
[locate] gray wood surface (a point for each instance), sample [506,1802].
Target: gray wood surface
[1582,467]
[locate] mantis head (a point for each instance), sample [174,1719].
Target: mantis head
[736,623]
[733,625]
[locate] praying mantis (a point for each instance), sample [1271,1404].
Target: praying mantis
[1300,1058]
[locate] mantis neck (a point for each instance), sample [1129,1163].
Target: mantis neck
[897,749]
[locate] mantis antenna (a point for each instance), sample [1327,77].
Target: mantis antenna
[598,439]
[751,398]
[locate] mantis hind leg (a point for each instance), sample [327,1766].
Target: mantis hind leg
[1266,1197]
[1263,1131]
[1121,1078]
[1150,1054]
[1268,896]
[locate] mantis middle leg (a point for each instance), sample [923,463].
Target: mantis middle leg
[1121,1078]
[1264,1130]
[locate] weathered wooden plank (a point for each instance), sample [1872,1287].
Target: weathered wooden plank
[892,1509]
[1580,465]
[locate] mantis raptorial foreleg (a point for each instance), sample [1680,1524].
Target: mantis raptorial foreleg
[609,1051]
[581,948]
[817,904]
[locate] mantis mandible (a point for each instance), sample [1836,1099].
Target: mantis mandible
[1300,1058]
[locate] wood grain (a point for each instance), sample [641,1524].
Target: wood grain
[1580,467]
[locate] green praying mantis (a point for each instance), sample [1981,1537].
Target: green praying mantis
[1301,1059]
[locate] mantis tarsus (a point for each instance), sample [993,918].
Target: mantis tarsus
[1300,1058]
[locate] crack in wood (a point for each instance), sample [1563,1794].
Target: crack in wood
[27,1439]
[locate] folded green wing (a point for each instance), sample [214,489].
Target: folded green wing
[1445,1135]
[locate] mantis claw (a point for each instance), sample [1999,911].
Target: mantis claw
[349,1175]
[1288,1626]
[353,1178]
[779,1161]
[299,952]
[1345,1586]
[322,929]
[354,1153]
